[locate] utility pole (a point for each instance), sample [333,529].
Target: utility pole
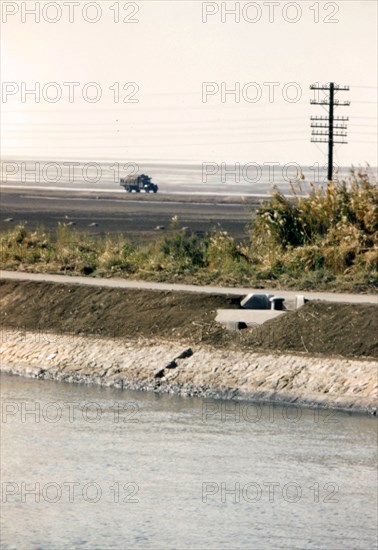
[325,126]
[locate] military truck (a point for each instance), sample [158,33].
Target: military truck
[137,184]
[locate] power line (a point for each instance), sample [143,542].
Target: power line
[163,123]
[219,120]
[126,146]
[143,133]
[136,107]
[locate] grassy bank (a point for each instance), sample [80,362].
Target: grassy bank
[328,240]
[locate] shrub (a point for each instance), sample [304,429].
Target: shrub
[183,250]
[333,227]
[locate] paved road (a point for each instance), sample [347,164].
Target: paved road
[122,283]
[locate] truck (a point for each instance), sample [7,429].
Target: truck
[137,184]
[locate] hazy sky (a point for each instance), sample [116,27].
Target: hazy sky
[168,54]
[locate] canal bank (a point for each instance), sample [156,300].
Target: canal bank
[334,383]
[323,354]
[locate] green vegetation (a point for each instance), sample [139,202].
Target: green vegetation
[327,240]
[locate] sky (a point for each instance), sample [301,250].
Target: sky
[151,80]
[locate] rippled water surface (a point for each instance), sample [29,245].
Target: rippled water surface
[96,468]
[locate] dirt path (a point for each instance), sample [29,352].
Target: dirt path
[150,285]
[134,216]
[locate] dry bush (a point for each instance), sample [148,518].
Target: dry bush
[334,227]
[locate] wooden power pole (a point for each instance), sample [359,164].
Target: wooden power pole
[326,129]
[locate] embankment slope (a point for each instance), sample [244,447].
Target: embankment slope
[322,354]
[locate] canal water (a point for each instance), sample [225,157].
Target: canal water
[93,468]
